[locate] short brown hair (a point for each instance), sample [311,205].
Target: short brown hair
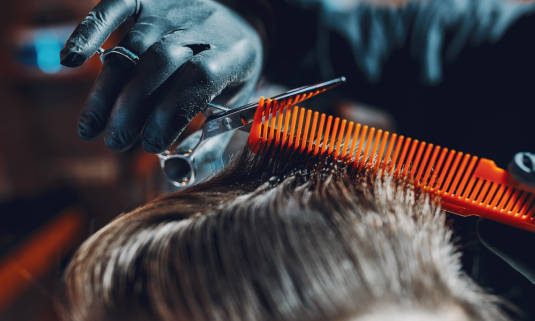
[273,239]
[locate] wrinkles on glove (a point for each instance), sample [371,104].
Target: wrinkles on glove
[189,52]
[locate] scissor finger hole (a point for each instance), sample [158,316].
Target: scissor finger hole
[178,170]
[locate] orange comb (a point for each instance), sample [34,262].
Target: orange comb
[466,185]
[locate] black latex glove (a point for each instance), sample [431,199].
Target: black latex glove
[512,244]
[190,52]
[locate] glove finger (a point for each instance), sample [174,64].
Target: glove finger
[509,243]
[115,73]
[133,105]
[91,33]
[144,34]
[201,79]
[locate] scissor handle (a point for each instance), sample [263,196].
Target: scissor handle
[180,166]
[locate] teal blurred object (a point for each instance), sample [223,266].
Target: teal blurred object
[39,48]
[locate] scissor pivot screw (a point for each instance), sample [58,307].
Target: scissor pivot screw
[227,122]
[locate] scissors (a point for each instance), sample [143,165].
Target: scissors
[180,165]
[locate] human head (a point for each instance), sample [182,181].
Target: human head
[278,237]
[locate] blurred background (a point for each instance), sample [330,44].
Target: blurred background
[56,190]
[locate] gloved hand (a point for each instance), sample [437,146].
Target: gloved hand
[190,52]
[512,244]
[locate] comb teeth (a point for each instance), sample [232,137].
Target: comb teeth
[320,134]
[466,184]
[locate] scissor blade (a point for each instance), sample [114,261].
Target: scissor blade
[242,116]
[308,89]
